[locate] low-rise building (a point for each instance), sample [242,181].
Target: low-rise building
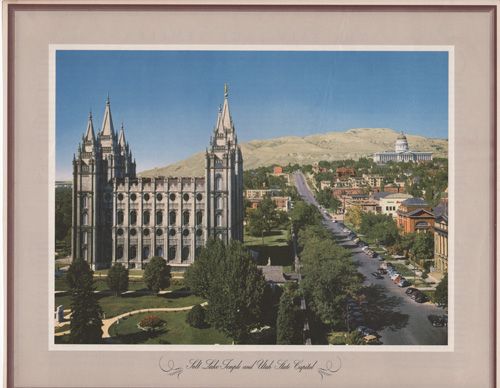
[325,185]
[414,215]
[389,204]
[441,243]
[344,172]
[373,180]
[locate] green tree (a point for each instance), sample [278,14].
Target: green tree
[407,241]
[423,248]
[263,219]
[354,215]
[63,208]
[196,316]
[303,215]
[79,274]
[157,274]
[85,325]
[117,278]
[287,324]
[325,198]
[229,278]
[353,338]
[441,294]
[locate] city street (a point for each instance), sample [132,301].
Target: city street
[397,318]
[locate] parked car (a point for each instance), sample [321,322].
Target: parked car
[376,275]
[380,258]
[365,331]
[365,248]
[371,340]
[411,290]
[421,298]
[395,275]
[438,321]
[404,283]
[381,271]
[396,281]
[373,254]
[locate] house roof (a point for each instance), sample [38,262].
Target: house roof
[380,195]
[273,273]
[415,202]
[440,209]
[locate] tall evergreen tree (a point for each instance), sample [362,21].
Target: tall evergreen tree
[287,324]
[85,325]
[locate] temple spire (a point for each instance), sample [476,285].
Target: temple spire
[107,123]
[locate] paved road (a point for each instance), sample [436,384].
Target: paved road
[395,316]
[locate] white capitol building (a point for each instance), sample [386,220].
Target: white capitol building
[402,153]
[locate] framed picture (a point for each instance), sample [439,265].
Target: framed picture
[239,194]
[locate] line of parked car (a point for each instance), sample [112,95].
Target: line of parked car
[416,295]
[354,318]
[395,276]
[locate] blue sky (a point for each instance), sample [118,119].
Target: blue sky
[169,100]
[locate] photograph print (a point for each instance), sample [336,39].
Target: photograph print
[229,197]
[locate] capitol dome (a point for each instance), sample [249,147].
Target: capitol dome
[402,143]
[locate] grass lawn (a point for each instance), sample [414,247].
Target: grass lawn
[62,328]
[176,331]
[114,305]
[275,246]
[337,338]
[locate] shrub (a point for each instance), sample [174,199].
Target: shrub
[151,322]
[196,317]
[176,282]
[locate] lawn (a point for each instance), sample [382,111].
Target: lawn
[176,331]
[275,246]
[113,305]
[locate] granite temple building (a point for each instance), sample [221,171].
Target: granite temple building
[120,217]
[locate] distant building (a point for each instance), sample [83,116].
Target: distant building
[373,180]
[390,203]
[402,153]
[325,185]
[278,170]
[414,215]
[441,243]
[344,172]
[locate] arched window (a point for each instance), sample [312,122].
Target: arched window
[84,201]
[84,253]
[119,217]
[84,237]
[159,217]
[218,182]
[199,218]
[219,219]
[186,218]
[119,252]
[218,202]
[146,253]
[133,252]
[146,217]
[422,223]
[84,219]
[159,251]
[185,254]
[133,217]
[171,253]
[173,217]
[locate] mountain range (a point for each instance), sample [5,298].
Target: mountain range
[351,144]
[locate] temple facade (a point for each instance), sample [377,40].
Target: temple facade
[119,217]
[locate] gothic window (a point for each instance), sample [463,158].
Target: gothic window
[199,197]
[133,232]
[120,197]
[172,197]
[84,219]
[171,253]
[186,218]
[185,253]
[218,182]
[159,197]
[159,232]
[119,232]
[146,197]
[159,217]
[133,217]
[119,217]
[185,232]
[199,218]
[172,232]
[186,197]
[199,232]
[146,232]
[146,217]
[218,202]
[84,253]
[133,252]
[173,217]
[84,237]
[219,219]
[159,251]
[133,197]
[119,252]
[84,201]
[146,252]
